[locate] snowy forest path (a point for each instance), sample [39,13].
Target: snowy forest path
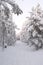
[20,54]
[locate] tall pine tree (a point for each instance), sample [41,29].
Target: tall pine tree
[33,34]
[7,27]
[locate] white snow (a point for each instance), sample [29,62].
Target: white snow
[20,54]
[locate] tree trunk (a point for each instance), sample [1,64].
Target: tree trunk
[3,32]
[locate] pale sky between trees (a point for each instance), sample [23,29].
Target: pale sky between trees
[26,6]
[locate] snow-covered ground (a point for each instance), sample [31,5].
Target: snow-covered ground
[20,54]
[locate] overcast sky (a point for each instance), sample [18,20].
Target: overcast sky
[26,6]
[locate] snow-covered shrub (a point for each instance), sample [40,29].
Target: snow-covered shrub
[32,30]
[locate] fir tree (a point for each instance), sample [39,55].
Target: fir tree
[33,34]
[7,27]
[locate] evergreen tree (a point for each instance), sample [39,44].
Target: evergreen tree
[34,28]
[7,27]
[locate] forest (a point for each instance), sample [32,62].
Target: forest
[21,32]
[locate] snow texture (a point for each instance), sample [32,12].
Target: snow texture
[20,55]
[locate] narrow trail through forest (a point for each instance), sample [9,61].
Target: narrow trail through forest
[20,54]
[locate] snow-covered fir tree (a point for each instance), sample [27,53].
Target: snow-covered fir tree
[32,31]
[7,27]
